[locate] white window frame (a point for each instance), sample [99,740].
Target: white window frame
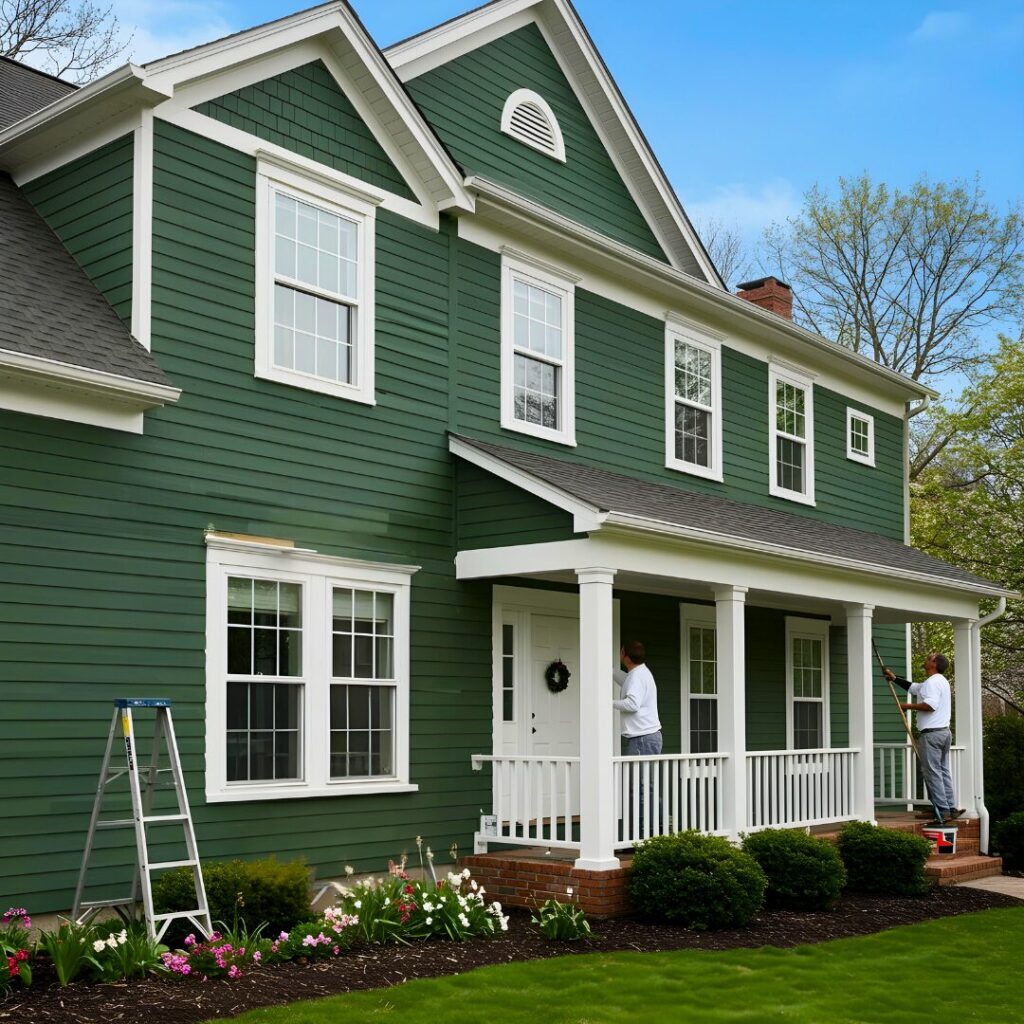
[517,266]
[691,334]
[317,574]
[780,372]
[515,100]
[812,629]
[868,458]
[350,205]
[695,615]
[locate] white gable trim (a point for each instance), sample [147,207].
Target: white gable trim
[597,93]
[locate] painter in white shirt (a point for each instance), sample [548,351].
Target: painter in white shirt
[934,692]
[638,701]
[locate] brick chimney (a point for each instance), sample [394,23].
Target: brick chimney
[769,293]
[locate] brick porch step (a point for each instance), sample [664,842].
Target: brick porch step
[963,867]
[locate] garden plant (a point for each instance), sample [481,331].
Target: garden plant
[881,860]
[803,872]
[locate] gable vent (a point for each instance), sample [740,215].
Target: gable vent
[528,118]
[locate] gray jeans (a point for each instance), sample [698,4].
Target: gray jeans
[644,746]
[934,746]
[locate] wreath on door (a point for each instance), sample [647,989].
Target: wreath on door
[557,676]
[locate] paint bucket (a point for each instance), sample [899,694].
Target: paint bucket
[943,840]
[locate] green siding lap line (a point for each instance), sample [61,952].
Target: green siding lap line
[305,111]
[88,205]
[463,101]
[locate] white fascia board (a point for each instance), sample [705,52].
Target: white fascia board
[85,112]
[586,517]
[504,208]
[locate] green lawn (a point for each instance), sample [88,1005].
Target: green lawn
[956,969]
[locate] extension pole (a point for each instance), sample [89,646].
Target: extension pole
[899,706]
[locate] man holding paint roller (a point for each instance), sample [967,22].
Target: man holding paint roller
[934,706]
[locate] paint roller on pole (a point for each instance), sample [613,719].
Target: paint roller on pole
[899,704]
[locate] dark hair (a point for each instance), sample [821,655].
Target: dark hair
[941,662]
[635,651]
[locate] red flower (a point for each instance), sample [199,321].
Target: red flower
[22,954]
[13,966]
[409,889]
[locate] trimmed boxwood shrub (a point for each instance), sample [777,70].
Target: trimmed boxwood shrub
[882,860]
[696,880]
[1003,747]
[803,872]
[1008,841]
[271,891]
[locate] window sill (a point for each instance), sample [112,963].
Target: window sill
[706,473]
[300,791]
[864,460]
[802,499]
[291,378]
[545,433]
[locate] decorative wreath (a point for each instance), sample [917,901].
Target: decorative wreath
[557,676]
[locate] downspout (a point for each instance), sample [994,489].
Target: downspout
[976,751]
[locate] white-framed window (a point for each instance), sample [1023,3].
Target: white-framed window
[807,683]
[791,432]
[307,673]
[860,436]
[693,401]
[528,117]
[508,671]
[314,284]
[699,675]
[537,349]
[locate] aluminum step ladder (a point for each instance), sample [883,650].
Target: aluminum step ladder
[142,791]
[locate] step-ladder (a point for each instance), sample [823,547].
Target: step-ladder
[142,791]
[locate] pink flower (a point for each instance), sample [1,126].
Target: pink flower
[336,950]
[257,957]
[190,940]
[234,972]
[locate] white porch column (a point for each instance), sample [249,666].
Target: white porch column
[968,708]
[861,696]
[597,803]
[732,704]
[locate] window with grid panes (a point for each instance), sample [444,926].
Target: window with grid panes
[792,436]
[808,675]
[508,672]
[703,685]
[694,398]
[860,437]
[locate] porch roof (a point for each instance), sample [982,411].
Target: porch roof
[616,499]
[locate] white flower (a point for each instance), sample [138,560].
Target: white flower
[465,872]
[463,920]
[387,901]
[473,884]
[504,924]
[123,937]
[349,870]
[358,904]
[112,942]
[428,907]
[99,945]
[481,891]
[430,920]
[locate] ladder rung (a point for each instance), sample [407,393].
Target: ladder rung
[116,823]
[123,902]
[164,818]
[179,913]
[173,864]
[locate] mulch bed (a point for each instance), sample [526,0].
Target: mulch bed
[176,1000]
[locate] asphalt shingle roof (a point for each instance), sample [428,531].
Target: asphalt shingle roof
[614,492]
[23,90]
[50,308]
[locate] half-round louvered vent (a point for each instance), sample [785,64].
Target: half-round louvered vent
[528,118]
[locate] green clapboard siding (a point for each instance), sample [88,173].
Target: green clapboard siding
[88,204]
[305,111]
[463,101]
[620,408]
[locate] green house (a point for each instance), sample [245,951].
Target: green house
[348,397]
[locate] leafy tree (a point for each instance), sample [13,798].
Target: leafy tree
[73,38]
[908,278]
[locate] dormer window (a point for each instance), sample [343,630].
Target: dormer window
[528,118]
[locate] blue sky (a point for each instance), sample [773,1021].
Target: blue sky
[747,104]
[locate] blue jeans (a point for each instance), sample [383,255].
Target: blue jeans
[643,746]
[934,746]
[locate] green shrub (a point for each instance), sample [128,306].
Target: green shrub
[1008,841]
[881,860]
[696,880]
[1004,765]
[562,922]
[803,872]
[257,892]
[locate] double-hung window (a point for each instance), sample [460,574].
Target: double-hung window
[537,349]
[314,285]
[791,429]
[700,678]
[807,683]
[693,411]
[307,675]
[860,437]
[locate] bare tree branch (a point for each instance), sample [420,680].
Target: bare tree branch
[726,248]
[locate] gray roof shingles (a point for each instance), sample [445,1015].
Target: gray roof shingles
[49,307]
[613,492]
[23,91]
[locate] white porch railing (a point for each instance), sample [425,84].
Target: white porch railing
[898,777]
[535,799]
[800,787]
[667,793]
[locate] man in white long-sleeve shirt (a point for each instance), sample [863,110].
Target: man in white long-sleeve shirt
[638,702]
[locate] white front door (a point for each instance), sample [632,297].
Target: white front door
[554,725]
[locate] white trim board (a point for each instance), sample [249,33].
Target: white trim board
[142,229]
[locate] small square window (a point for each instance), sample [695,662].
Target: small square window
[860,437]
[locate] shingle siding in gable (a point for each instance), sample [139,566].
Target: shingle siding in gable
[463,100]
[88,204]
[305,111]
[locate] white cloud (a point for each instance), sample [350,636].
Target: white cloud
[159,29]
[749,209]
[941,25]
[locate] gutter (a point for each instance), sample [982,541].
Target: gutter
[984,822]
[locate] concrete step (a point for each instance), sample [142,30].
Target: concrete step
[962,867]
